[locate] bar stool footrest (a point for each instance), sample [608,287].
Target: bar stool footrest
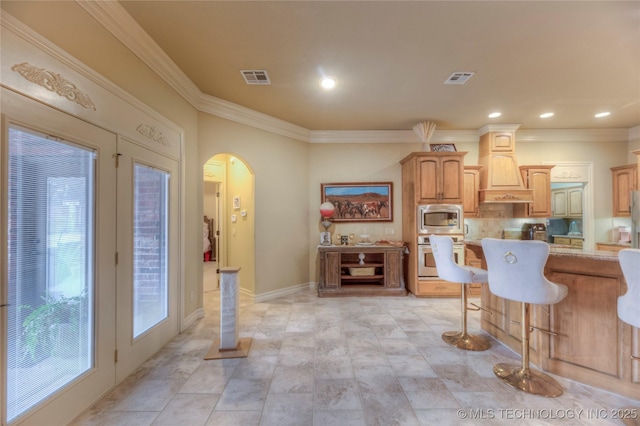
[527,380]
[466,341]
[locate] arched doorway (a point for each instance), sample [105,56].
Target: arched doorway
[228,207]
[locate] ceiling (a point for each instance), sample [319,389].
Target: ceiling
[391,59]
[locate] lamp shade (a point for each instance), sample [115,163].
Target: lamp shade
[327,209]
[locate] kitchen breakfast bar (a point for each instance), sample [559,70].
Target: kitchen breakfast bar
[591,344]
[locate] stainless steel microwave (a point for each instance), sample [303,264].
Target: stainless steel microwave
[440,219]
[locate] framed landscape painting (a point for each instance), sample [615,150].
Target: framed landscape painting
[359,202]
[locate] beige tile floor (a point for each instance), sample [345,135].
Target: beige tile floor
[339,361]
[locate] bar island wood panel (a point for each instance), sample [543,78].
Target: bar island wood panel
[592,346]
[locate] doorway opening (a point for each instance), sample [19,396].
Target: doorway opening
[228,215]
[572,200]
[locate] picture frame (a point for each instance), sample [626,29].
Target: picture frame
[359,201]
[236,202]
[442,147]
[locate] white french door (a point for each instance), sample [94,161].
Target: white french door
[89,272]
[58,274]
[147,254]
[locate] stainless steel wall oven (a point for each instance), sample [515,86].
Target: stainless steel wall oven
[426,262]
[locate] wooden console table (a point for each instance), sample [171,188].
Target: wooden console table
[361,271]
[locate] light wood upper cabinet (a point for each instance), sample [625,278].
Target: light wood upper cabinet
[559,205]
[624,181]
[566,202]
[574,199]
[471,187]
[438,177]
[537,178]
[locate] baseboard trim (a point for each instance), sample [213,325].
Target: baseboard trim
[192,318]
[282,292]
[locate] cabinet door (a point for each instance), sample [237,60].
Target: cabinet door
[574,201]
[540,182]
[393,270]
[332,270]
[471,186]
[624,181]
[562,240]
[429,189]
[559,205]
[451,182]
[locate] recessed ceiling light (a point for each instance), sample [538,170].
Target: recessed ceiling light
[495,114]
[602,114]
[546,115]
[328,83]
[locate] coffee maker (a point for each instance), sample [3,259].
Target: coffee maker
[537,231]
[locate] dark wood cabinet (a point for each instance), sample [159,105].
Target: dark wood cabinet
[361,271]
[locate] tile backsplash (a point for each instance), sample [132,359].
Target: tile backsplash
[494,218]
[493,228]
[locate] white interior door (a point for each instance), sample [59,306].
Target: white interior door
[58,272]
[148,250]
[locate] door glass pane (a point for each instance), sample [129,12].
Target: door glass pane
[150,230]
[50,266]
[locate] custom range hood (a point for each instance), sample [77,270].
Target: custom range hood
[500,178]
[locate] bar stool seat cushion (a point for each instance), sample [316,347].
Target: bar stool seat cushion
[629,303]
[524,260]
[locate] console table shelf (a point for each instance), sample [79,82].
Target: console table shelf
[361,271]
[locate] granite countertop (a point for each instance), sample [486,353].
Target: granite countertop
[565,251]
[615,243]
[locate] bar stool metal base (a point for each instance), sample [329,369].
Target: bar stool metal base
[462,339]
[466,341]
[528,380]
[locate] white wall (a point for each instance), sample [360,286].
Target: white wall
[280,168]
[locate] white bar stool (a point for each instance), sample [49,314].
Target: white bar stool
[629,303]
[516,272]
[449,270]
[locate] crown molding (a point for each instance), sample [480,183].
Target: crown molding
[44,45]
[240,114]
[390,136]
[573,135]
[122,26]
[498,128]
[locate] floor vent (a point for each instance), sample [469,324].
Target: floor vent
[459,78]
[255,76]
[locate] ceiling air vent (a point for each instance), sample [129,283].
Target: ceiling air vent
[459,77]
[255,76]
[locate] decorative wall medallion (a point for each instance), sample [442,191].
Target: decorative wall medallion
[153,134]
[55,83]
